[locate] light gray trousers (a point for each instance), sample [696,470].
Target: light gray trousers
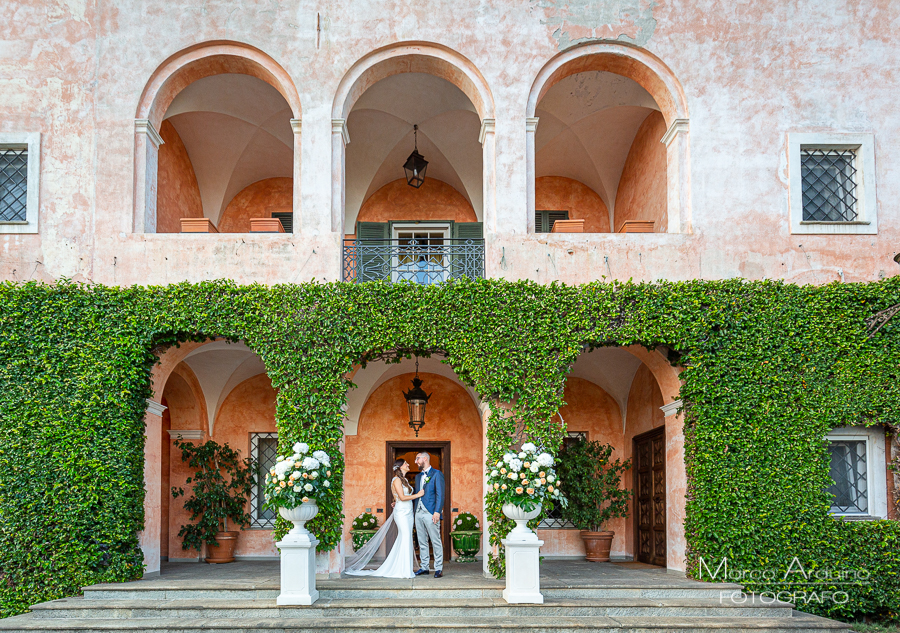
[425,530]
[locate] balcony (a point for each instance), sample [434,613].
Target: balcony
[421,261]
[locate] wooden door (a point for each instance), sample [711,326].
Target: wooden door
[650,497]
[440,459]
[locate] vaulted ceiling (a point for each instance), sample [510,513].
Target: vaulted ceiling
[380,126]
[236,130]
[587,125]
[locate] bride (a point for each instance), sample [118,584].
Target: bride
[399,562]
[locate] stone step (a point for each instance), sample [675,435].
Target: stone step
[401,590]
[80,609]
[800,623]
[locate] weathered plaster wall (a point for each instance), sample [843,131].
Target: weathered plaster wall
[565,194]
[642,189]
[258,200]
[179,195]
[451,416]
[434,200]
[75,72]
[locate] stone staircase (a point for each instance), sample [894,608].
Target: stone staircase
[359,606]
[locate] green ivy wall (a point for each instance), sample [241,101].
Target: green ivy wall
[768,369]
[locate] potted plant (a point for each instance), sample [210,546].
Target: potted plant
[521,481]
[294,484]
[466,537]
[221,484]
[363,529]
[594,493]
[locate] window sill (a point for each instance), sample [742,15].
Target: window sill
[856,517]
[828,223]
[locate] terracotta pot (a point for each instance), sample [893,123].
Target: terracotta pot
[568,226]
[597,545]
[266,225]
[224,553]
[198,225]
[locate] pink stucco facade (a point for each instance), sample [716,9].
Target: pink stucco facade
[677,113]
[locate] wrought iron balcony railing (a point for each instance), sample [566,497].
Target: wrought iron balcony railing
[424,261]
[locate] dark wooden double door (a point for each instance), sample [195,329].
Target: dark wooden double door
[650,497]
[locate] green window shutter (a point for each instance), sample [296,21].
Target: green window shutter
[468,230]
[543,220]
[374,259]
[372,231]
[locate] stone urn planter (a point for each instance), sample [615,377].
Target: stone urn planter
[466,543]
[597,545]
[306,511]
[224,552]
[521,516]
[361,537]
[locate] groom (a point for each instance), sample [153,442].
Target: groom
[428,514]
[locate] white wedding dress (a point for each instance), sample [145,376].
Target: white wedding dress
[399,562]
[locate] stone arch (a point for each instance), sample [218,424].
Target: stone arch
[657,79]
[174,75]
[410,57]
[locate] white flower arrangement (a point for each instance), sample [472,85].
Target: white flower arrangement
[294,479]
[323,458]
[525,478]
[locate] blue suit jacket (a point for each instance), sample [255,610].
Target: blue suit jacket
[434,492]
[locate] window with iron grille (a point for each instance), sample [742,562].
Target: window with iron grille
[263,450]
[829,182]
[543,220]
[849,471]
[14,185]
[554,520]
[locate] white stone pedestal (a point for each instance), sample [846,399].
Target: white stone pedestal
[298,569]
[523,570]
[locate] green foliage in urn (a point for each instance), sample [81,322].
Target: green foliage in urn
[593,484]
[220,486]
[465,522]
[767,369]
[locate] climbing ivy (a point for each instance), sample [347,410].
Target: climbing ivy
[768,370]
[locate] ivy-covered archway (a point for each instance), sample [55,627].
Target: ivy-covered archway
[767,369]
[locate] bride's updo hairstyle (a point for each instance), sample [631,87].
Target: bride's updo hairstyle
[397,465]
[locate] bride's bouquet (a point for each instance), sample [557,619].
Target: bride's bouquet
[298,478]
[526,478]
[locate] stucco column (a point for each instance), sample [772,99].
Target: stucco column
[489,174]
[676,487]
[146,163]
[295,201]
[678,180]
[150,535]
[339,140]
[531,124]
[485,410]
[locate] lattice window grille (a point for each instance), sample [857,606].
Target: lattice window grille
[263,450]
[849,472]
[554,520]
[829,184]
[13,185]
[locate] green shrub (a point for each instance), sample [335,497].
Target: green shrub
[465,522]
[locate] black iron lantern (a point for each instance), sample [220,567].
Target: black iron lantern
[416,399]
[416,164]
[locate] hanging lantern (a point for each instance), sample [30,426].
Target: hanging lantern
[416,164]
[416,399]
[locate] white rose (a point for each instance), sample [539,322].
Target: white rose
[326,484]
[494,473]
[528,447]
[500,464]
[301,448]
[508,457]
[283,467]
[313,475]
[308,487]
[322,456]
[534,468]
[522,455]
[296,474]
[545,459]
[550,479]
[279,458]
[515,465]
